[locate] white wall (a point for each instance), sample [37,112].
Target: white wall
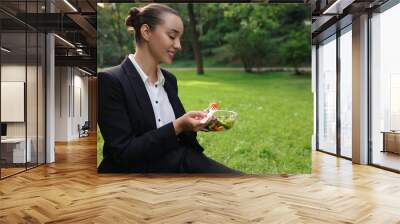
[71,93]
[61,103]
[80,83]
[13,72]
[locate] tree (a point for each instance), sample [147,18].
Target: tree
[113,41]
[252,39]
[296,50]
[251,35]
[195,39]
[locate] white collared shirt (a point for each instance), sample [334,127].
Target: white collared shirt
[159,99]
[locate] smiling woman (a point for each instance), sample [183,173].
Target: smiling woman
[162,33]
[143,122]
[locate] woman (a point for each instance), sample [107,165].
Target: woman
[143,122]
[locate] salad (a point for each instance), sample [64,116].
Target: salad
[222,119]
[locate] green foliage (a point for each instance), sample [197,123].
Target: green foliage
[273,129]
[253,35]
[296,49]
[100,144]
[113,39]
[261,30]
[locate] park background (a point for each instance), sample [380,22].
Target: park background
[251,58]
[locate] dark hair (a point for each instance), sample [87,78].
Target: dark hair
[150,15]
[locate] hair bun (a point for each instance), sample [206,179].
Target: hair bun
[132,17]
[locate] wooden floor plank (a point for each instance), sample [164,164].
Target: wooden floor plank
[71,191]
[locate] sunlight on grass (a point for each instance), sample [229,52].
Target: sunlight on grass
[198,83]
[273,130]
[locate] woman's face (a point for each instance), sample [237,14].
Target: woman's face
[165,39]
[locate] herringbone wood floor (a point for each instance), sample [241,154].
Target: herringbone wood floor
[70,191]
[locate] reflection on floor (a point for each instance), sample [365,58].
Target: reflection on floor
[387,159]
[10,169]
[71,191]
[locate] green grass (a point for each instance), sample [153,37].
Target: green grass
[273,129]
[100,143]
[208,62]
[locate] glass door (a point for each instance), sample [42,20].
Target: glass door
[22,88]
[327,95]
[385,89]
[346,92]
[14,154]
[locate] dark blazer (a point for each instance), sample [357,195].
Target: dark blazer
[126,119]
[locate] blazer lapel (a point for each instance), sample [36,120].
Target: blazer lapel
[141,94]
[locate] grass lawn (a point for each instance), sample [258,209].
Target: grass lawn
[272,133]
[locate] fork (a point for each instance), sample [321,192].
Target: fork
[212,109]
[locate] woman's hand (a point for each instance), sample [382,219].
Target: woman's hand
[191,121]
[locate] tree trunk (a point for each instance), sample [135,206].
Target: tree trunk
[297,69]
[246,64]
[195,40]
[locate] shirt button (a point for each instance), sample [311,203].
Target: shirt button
[156,86]
[159,120]
[156,101]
